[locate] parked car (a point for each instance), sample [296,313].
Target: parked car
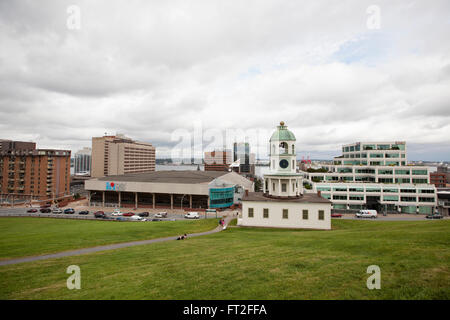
[434,216]
[57,211]
[161,215]
[143,214]
[128,214]
[116,212]
[99,214]
[192,215]
[137,218]
[336,215]
[367,214]
[45,210]
[84,212]
[32,210]
[69,211]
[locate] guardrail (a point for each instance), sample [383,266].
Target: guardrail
[48,215]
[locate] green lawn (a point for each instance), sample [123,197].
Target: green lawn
[35,236]
[250,263]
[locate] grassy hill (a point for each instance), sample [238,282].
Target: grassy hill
[35,236]
[251,263]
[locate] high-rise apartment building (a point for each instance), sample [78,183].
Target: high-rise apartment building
[6,145]
[37,173]
[218,160]
[117,155]
[82,162]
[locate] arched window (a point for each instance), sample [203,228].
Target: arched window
[273,149]
[283,148]
[293,149]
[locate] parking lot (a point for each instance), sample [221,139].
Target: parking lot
[389,217]
[172,215]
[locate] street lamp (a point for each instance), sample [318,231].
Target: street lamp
[181,205]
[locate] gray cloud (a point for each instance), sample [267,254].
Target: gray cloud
[148,68]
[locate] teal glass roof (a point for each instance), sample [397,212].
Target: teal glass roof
[282,134]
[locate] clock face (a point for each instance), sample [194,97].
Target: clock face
[284,163]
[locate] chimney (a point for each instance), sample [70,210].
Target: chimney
[246,192]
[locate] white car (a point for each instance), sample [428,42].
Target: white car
[137,218]
[116,212]
[57,210]
[161,215]
[192,215]
[367,214]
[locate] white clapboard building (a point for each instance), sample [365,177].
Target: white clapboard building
[283,204]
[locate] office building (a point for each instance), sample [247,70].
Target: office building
[116,155]
[33,173]
[243,160]
[82,162]
[373,154]
[375,175]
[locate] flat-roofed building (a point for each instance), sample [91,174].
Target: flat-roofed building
[168,189]
[6,145]
[218,160]
[439,179]
[116,155]
[375,175]
[34,173]
[82,162]
[373,153]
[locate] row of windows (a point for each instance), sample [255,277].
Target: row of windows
[373,189]
[357,147]
[385,198]
[285,214]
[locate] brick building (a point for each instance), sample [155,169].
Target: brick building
[218,160]
[439,179]
[33,173]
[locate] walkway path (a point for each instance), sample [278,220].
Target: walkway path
[107,247]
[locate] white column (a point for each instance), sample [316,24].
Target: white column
[279,187]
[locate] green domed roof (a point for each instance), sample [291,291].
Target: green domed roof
[282,134]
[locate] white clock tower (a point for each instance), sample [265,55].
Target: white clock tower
[282,204]
[283,181]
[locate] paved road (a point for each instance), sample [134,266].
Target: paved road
[106,247]
[390,218]
[22,212]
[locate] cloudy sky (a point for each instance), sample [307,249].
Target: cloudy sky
[157,70]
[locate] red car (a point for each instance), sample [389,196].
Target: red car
[32,210]
[99,214]
[128,214]
[336,215]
